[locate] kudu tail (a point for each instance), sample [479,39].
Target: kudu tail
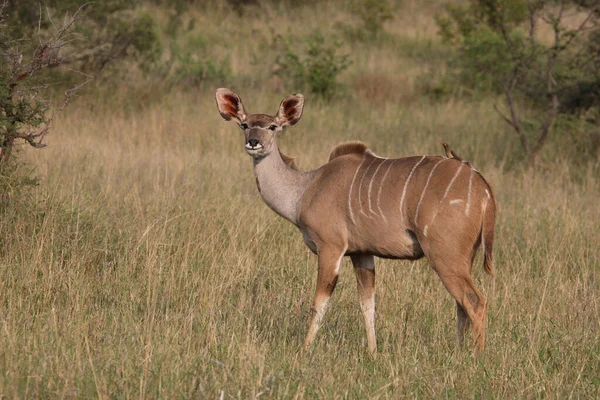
[488,225]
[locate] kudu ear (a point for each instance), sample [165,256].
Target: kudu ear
[230,105]
[290,110]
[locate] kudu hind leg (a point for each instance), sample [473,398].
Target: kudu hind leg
[329,265]
[364,268]
[469,301]
[463,322]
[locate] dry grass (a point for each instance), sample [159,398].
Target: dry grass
[152,269]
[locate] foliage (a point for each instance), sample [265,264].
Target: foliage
[24,65]
[316,67]
[192,71]
[501,50]
[373,14]
[113,32]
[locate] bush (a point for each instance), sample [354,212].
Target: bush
[316,67]
[113,32]
[373,14]
[500,50]
[192,71]
[24,64]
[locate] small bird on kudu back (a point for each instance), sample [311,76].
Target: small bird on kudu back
[449,152]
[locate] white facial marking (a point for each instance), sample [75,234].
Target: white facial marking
[350,193]
[371,185]
[360,186]
[257,147]
[456,201]
[426,185]
[407,182]
[446,193]
[469,193]
[381,187]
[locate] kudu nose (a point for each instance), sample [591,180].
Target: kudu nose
[253,142]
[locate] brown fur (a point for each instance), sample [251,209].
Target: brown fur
[289,161]
[363,206]
[348,148]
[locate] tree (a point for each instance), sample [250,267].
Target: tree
[500,42]
[114,30]
[24,63]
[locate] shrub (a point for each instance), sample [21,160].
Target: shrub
[373,14]
[316,67]
[24,65]
[500,50]
[192,71]
[112,33]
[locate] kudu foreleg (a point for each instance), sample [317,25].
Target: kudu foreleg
[364,268]
[329,268]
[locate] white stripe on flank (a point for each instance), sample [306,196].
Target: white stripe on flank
[446,193]
[469,194]
[371,185]
[456,201]
[406,184]
[360,186]
[350,193]
[381,187]
[427,184]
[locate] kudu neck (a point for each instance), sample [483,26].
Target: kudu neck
[280,186]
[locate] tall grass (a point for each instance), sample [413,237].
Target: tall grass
[151,268]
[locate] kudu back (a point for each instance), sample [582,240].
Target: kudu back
[361,205]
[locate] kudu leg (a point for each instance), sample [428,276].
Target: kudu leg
[329,268]
[469,301]
[364,268]
[463,322]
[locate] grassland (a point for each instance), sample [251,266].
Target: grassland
[150,268]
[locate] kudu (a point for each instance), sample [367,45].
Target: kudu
[361,205]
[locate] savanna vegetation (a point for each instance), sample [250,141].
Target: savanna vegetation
[137,259]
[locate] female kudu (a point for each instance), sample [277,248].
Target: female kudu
[361,205]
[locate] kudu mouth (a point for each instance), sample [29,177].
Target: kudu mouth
[254,148]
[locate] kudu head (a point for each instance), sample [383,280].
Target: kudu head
[259,129]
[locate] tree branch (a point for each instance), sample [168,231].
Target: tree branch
[514,118]
[35,138]
[545,129]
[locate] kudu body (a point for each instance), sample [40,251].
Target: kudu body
[361,205]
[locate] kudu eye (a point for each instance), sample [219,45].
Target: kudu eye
[273,127]
[244,125]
